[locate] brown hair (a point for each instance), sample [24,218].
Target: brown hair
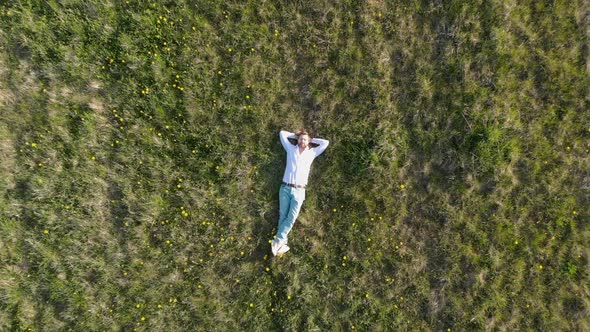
[302,131]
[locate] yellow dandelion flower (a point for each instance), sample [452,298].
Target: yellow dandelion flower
[46,232]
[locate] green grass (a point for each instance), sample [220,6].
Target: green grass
[140,165]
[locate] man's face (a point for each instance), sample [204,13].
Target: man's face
[303,141]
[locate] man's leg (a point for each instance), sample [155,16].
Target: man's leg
[297,197]
[284,204]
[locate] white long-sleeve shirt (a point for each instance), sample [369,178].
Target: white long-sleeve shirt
[299,164]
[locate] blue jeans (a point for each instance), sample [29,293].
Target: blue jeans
[290,200]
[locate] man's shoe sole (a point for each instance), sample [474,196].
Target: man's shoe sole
[279,253]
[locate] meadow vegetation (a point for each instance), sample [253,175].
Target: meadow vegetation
[140,165]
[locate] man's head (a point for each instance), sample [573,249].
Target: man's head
[303,138]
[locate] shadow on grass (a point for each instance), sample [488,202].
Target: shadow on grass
[269,213]
[118,211]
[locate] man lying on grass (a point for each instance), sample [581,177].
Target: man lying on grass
[300,155]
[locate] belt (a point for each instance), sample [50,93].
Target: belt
[293,185]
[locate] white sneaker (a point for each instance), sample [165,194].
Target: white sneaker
[283,249]
[274,246]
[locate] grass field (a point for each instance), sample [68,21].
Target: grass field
[140,165]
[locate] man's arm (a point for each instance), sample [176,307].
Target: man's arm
[322,145]
[285,135]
